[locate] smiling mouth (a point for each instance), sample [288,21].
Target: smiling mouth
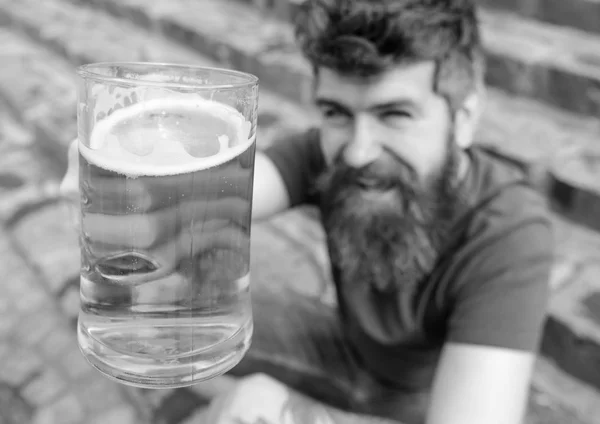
[372,185]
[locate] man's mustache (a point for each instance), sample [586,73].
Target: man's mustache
[389,171]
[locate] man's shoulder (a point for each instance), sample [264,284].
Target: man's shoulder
[515,220]
[503,195]
[499,277]
[508,220]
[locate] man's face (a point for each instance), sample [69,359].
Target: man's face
[397,111]
[389,195]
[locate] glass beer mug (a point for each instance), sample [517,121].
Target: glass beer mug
[166,165]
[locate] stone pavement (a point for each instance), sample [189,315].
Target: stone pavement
[43,378]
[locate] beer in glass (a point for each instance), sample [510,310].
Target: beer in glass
[165,177]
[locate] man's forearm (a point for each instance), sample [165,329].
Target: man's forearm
[299,409]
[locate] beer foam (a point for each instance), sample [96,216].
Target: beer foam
[158,151]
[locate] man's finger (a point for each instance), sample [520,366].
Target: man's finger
[69,186]
[188,245]
[193,243]
[143,231]
[110,193]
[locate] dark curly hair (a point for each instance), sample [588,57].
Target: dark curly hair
[365,37]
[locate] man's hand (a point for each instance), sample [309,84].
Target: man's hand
[260,399]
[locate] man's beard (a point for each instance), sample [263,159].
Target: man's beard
[384,228]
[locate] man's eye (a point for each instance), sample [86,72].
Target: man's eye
[395,116]
[335,116]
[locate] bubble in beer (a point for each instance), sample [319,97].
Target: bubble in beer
[139,142]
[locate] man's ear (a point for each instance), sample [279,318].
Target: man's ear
[467,118]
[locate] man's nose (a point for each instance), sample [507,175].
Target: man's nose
[363,148]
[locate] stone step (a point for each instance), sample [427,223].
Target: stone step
[556,65]
[572,333]
[529,132]
[575,187]
[583,15]
[100,46]
[580,14]
[578,402]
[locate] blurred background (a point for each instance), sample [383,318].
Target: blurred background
[543,113]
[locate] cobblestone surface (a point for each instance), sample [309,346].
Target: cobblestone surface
[43,377]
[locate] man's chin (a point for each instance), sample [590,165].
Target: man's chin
[377,197]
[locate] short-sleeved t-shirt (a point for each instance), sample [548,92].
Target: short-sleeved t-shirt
[490,286]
